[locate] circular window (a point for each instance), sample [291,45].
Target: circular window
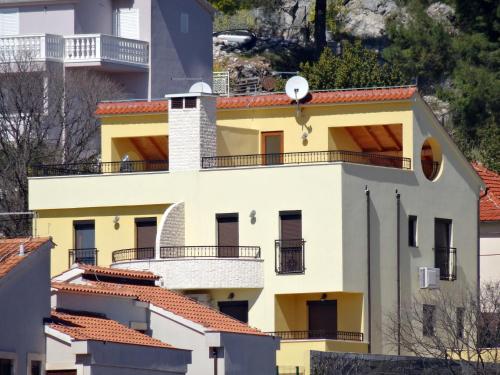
[431,158]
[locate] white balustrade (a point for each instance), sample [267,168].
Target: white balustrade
[75,49]
[37,47]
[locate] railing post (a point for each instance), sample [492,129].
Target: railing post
[43,47]
[98,46]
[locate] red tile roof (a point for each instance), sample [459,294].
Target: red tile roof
[168,300]
[140,275]
[9,252]
[88,327]
[268,100]
[490,203]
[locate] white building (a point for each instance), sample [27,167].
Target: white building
[24,303]
[489,228]
[219,343]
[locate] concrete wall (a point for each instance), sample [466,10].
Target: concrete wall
[25,302]
[94,16]
[249,354]
[49,19]
[490,251]
[175,55]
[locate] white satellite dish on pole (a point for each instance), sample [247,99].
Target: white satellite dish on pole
[201,87]
[297,88]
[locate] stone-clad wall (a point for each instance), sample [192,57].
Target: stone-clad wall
[172,227]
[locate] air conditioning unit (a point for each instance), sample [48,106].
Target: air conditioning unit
[429,277]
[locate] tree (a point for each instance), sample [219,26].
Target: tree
[320,25]
[44,119]
[455,327]
[355,67]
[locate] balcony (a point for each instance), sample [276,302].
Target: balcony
[83,256]
[320,334]
[198,267]
[446,261]
[98,168]
[77,50]
[367,158]
[290,256]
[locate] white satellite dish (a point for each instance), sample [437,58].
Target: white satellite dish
[201,87]
[297,88]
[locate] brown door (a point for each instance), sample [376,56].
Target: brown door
[322,319]
[272,147]
[291,256]
[228,235]
[146,237]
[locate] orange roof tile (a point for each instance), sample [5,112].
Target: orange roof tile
[168,300]
[490,203]
[9,251]
[88,327]
[95,270]
[268,100]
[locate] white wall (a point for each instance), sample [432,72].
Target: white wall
[24,303]
[49,19]
[490,251]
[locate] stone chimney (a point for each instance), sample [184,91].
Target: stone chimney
[192,132]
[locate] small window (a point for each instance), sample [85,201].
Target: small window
[235,309]
[460,322]
[428,320]
[412,231]
[36,367]
[177,103]
[6,366]
[190,102]
[184,23]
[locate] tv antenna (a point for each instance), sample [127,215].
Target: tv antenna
[297,88]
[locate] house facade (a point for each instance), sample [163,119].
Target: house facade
[311,221]
[25,303]
[134,42]
[489,228]
[218,344]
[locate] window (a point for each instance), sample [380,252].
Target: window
[84,251]
[126,23]
[236,309]
[9,21]
[228,235]
[36,367]
[444,254]
[145,229]
[290,244]
[6,366]
[272,147]
[184,23]
[428,320]
[460,322]
[412,231]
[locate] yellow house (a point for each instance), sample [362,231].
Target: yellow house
[312,221]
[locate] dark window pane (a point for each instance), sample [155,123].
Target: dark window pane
[36,368]
[235,309]
[6,366]
[428,320]
[412,231]
[84,235]
[322,319]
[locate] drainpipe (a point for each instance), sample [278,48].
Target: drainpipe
[368,266]
[398,260]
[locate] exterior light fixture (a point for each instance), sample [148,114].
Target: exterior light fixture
[323,297]
[230,296]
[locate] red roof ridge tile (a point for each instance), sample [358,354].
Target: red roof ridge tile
[266,100]
[490,202]
[10,248]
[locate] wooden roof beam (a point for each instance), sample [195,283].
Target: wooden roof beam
[393,137]
[374,138]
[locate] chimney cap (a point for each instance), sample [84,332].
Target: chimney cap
[191,95]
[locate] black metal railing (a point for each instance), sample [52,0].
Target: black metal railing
[306,157]
[83,256]
[318,334]
[210,252]
[430,169]
[98,168]
[133,254]
[446,260]
[290,256]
